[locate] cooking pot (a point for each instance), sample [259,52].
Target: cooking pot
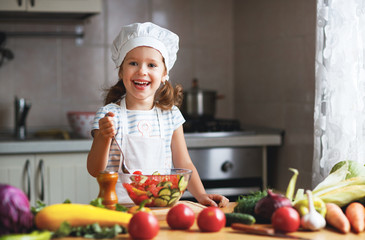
[199,103]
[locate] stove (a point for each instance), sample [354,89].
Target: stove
[231,171]
[211,125]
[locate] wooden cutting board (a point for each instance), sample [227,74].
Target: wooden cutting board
[161,213]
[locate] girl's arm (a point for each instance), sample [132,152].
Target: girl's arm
[97,158]
[181,159]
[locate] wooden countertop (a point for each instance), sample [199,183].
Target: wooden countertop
[229,233]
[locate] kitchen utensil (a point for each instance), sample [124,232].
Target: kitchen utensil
[114,146]
[22,107]
[115,143]
[252,229]
[199,103]
[107,181]
[163,186]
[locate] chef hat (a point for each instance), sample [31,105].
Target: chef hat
[146,34]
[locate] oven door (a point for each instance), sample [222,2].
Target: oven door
[229,171]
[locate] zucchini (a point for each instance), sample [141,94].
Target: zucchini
[51,217]
[182,184]
[239,218]
[164,191]
[35,235]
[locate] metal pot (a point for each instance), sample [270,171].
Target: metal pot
[199,103]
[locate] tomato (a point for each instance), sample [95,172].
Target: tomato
[143,225]
[285,219]
[211,219]
[180,217]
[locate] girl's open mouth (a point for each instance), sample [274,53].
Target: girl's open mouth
[141,83]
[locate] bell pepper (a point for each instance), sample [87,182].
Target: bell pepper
[141,207]
[303,208]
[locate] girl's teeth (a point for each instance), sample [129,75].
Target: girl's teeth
[141,83]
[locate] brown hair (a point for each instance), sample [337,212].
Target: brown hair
[165,97]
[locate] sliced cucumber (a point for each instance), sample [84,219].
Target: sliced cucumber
[176,194]
[173,200]
[165,197]
[182,184]
[164,191]
[164,184]
[167,184]
[159,202]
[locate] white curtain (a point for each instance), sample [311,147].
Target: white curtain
[339,113]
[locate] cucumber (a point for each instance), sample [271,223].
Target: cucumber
[159,202]
[239,218]
[164,184]
[173,200]
[165,197]
[164,191]
[176,194]
[182,184]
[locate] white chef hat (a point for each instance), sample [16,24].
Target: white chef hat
[146,34]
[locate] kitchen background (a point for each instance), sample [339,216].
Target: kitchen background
[258,53]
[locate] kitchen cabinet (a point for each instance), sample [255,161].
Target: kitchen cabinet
[61,6]
[51,178]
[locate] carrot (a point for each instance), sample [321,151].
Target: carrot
[355,213]
[337,218]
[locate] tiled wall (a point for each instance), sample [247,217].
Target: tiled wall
[58,76]
[258,53]
[274,78]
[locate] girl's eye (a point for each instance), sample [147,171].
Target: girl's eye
[152,65]
[133,64]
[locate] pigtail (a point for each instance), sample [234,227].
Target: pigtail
[115,93]
[166,96]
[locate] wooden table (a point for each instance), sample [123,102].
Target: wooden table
[229,233]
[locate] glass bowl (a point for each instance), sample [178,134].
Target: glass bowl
[164,187]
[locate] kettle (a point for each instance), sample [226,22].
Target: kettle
[22,107]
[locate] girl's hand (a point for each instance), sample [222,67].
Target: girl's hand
[212,199]
[106,126]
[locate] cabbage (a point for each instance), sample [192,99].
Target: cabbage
[355,169]
[15,214]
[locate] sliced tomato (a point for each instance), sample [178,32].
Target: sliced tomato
[153,189]
[139,199]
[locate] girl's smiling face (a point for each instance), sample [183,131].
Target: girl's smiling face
[142,71]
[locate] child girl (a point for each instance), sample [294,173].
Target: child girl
[141,111]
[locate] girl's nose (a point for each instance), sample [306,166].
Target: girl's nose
[142,69]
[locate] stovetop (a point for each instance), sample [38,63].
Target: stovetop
[211,125]
[209,128]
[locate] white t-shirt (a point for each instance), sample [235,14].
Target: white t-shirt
[137,122]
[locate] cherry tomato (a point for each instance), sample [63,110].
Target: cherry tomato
[143,225]
[211,219]
[180,217]
[285,219]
